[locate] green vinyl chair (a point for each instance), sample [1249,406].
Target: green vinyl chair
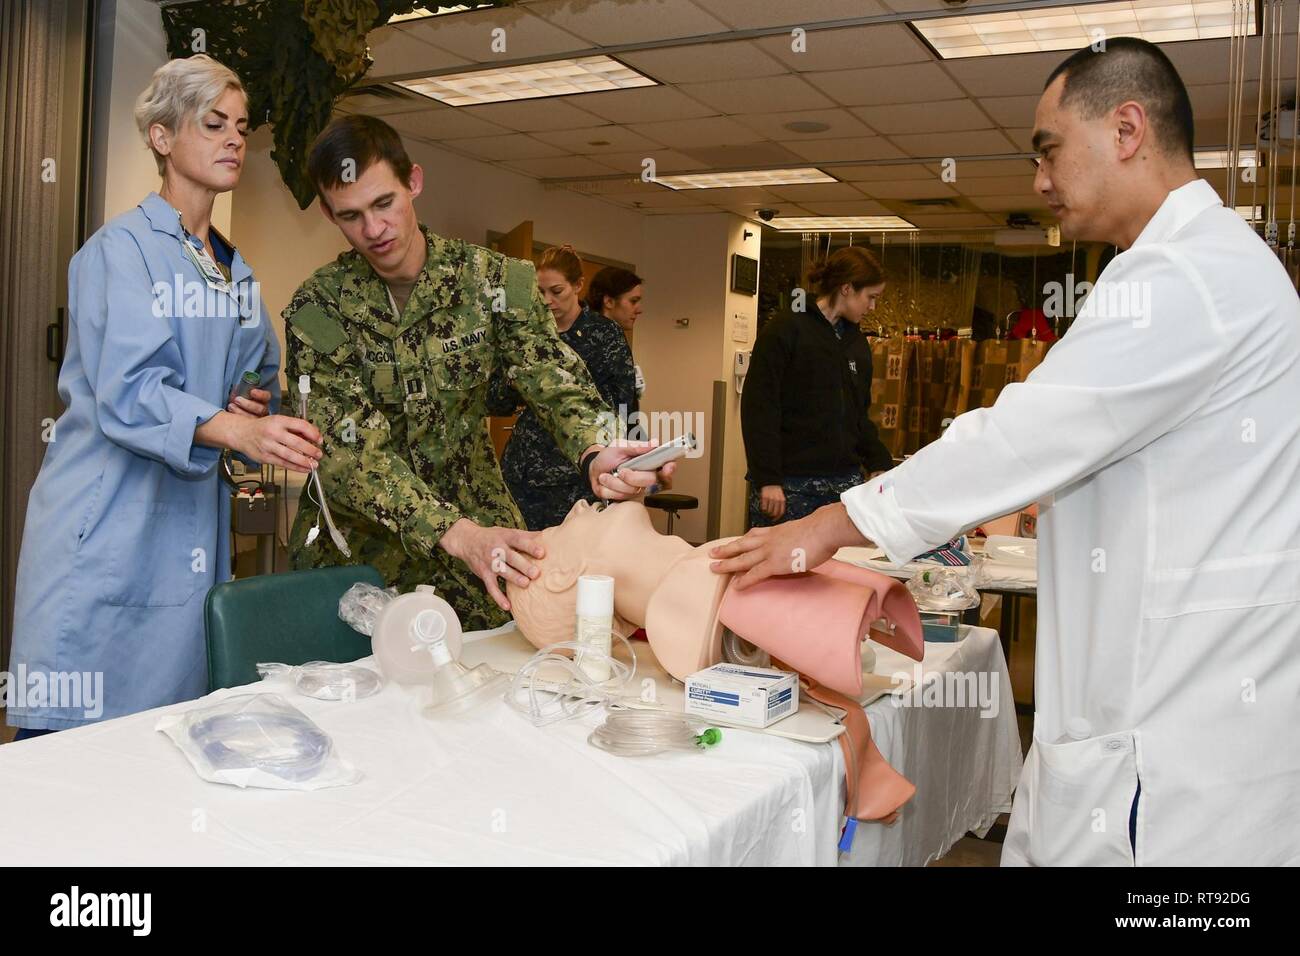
[290,618]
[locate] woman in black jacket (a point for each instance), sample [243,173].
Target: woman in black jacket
[808,437]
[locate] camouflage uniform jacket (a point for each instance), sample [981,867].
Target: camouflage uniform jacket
[401,405]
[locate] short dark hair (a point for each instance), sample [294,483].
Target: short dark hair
[365,140]
[1126,68]
[613,282]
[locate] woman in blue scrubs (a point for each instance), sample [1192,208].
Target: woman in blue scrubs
[128,524]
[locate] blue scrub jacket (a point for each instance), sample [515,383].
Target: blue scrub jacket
[128,522]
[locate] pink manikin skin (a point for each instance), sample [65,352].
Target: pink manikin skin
[816,622]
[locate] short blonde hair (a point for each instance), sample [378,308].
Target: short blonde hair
[181,90]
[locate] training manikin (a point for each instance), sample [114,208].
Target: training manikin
[813,623]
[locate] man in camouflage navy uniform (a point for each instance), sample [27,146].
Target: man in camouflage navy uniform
[400,337]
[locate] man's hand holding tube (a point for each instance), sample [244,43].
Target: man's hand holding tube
[780,549]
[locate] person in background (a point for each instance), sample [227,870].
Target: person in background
[128,524]
[543,481]
[616,294]
[808,437]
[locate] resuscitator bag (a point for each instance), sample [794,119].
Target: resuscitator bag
[258,740]
[361,605]
[326,681]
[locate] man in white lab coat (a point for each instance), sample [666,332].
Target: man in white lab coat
[1161,439]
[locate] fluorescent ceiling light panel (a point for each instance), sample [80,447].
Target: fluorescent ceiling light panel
[1072,28]
[442,9]
[588,74]
[746,177]
[1218,158]
[840,224]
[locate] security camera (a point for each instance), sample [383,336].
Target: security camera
[767,215]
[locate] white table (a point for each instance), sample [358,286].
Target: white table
[489,788]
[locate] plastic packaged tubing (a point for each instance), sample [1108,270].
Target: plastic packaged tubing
[361,605]
[640,733]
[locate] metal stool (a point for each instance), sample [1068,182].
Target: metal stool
[672,503]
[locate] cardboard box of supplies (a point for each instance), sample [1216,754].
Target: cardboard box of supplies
[742,696]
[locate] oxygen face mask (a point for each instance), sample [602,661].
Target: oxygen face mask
[454,687]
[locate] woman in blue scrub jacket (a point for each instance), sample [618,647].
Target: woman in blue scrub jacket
[128,524]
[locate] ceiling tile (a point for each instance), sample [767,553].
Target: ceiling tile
[953,220]
[871,174]
[910,189]
[1206,61]
[616,139]
[968,168]
[699,64]
[988,142]
[919,6]
[839,207]
[443,122]
[1005,204]
[767,93]
[1011,110]
[907,83]
[611,22]
[649,104]
[995,185]
[509,146]
[396,52]
[373,105]
[1023,138]
[855,149]
[666,161]
[743,14]
[934,117]
[882,44]
[707,131]
[560,167]
[1019,74]
[550,113]
[471,35]
[751,197]
[807,192]
[1211,101]
[765,155]
[841,123]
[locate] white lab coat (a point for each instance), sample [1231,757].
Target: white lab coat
[1163,447]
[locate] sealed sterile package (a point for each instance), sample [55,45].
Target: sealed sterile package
[360,605]
[258,740]
[326,681]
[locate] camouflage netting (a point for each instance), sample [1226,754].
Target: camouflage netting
[295,57]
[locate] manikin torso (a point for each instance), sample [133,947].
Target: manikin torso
[662,583]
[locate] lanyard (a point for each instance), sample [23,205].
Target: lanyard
[198,255]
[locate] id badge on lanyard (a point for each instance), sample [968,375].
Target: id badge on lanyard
[211,271]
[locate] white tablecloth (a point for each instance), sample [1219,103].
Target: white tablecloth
[489,788]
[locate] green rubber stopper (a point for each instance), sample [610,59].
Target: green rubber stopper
[709,738]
